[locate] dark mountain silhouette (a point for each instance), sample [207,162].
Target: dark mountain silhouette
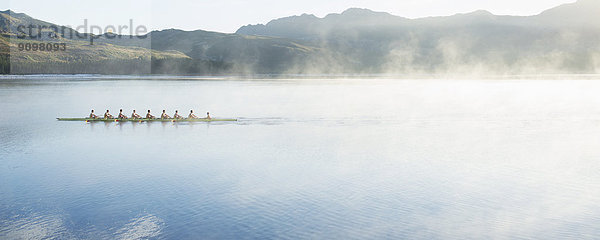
[564,39]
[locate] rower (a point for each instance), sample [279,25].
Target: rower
[121,115]
[177,116]
[192,115]
[149,116]
[92,115]
[207,115]
[164,115]
[107,115]
[135,115]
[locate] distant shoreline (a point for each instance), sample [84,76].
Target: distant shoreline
[308,77]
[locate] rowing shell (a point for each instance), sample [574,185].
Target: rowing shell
[147,120]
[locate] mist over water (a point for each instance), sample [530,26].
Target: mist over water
[308,158]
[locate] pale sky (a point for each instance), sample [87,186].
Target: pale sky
[228,15]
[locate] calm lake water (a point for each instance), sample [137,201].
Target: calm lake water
[309,159]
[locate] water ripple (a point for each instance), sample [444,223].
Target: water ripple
[34,227]
[144,227]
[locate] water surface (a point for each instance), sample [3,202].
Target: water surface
[309,158]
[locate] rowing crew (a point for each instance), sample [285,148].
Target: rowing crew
[134,115]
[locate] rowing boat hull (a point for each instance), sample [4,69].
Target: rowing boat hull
[146,120]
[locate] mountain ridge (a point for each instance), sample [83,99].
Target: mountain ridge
[564,39]
[569,14]
[560,39]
